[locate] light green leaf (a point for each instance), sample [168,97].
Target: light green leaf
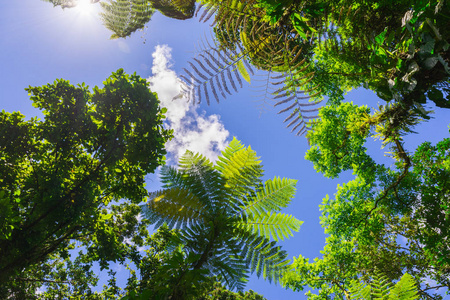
[243,71]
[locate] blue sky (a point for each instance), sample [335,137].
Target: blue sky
[41,43]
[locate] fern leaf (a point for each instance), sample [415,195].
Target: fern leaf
[285,100]
[230,78]
[298,124]
[224,83]
[299,117]
[302,130]
[289,108]
[243,72]
[236,74]
[192,76]
[240,167]
[213,89]
[203,180]
[203,67]
[220,88]
[405,289]
[198,72]
[274,195]
[207,14]
[197,93]
[271,225]
[205,89]
[212,66]
[360,291]
[177,205]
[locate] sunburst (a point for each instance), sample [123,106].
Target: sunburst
[84,7]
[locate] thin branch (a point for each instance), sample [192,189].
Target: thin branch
[42,280]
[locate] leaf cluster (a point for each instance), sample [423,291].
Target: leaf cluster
[388,220]
[59,174]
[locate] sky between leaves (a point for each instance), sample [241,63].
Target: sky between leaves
[40,43]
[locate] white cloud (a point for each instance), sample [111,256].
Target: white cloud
[192,130]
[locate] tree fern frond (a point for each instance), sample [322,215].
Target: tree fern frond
[213,89]
[191,76]
[289,108]
[208,11]
[203,180]
[271,225]
[177,9]
[265,257]
[226,215]
[170,177]
[405,289]
[274,195]
[179,205]
[380,288]
[360,290]
[123,17]
[241,169]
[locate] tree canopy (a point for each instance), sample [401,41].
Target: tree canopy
[59,174]
[386,221]
[316,49]
[77,176]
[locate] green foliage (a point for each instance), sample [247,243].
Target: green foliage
[386,221]
[58,175]
[337,141]
[218,292]
[401,54]
[381,289]
[75,277]
[244,39]
[123,17]
[227,216]
[177,9]
[310,49]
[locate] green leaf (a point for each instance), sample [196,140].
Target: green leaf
[107,217]
[243,71]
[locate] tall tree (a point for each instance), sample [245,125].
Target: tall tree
[228,218]
[311,49]
[59,174]
[74,277]
[325,48]
[386,221]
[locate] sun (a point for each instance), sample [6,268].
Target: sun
[84,7]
